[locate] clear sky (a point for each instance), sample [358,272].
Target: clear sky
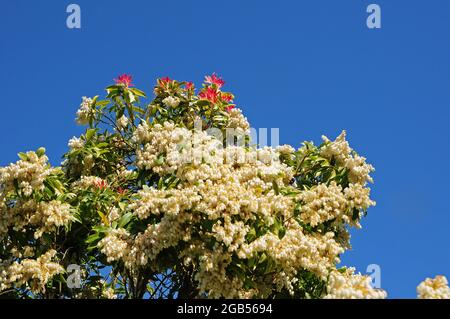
[306,67]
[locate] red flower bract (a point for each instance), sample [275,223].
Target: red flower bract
[124,79]
[165,80]
[189,85]
[209,94]
[230,107]
[101,184]
[227,97]
[214,79]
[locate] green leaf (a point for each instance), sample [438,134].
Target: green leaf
[100,229]
[276,188]
[92,238]
[103,217]
[160,183]
[94,101]
[112,87]
[138,110]
[90,133]
[102,104]
[23,156]
[102,145]
[160,159]
[125,219]
[137,92]
[203,103]
[40,151]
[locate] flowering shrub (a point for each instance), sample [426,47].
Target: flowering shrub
[172,199]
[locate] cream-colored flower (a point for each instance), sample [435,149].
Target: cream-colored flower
[122,122]
[85,111]
[171,101]
[75,143]
[341,151]
[34,273]
[348,285]
[436,288]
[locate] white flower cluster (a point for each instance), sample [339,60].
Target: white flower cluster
[343,154]
[327,202]
[29,174]
[212,276]
[43,217]
[165,147]
[85,111]
[88,181]
[230,188]
[75,143]
[114,245]
[49,216]
[238,121]
[122,122]
[297,250]
[114,214]
[34,273]
[232,235]
[170,202]
[348,285]
[436,288]
[135,252]
[168,149]
[171,101]
[17,216]
[142,133]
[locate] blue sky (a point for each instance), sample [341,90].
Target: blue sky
[307,67]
